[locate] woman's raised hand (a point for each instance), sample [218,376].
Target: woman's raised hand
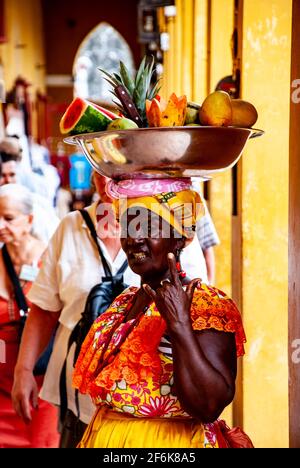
[172,301]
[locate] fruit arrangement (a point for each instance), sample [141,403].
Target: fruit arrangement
[139,106]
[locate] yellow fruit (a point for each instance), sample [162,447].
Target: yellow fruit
[244,113]
[216,109]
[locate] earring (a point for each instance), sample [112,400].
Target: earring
[181,273]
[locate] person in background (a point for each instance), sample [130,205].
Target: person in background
[10,157]
[39,430]
[208,239]
[45,220]
[207,236]
[42,168]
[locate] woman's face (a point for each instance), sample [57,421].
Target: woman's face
[14,224]
[147,239]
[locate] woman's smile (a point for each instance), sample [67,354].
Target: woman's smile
[137,257]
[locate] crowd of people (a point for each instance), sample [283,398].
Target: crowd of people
[158,367]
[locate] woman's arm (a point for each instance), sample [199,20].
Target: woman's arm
[204,362]
[37,332]
[204,370]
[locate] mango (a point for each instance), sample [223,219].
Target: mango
[216,109]
[121,124]
[244,113]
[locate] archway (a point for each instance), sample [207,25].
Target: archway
[103,47]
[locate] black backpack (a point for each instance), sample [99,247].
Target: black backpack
[99,299]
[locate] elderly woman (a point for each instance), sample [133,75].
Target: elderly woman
[160,363]
[24,251]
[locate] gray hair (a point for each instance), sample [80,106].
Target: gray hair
[21,195]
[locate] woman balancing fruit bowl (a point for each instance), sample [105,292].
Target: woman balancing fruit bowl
[160,363]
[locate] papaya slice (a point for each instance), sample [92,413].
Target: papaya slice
[154,114]
[170,114]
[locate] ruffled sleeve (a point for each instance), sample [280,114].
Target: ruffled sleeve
[212,308]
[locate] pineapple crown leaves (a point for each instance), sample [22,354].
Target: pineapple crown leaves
[139,89]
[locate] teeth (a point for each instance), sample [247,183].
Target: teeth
[139,256]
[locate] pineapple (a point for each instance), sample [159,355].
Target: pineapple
[133,93]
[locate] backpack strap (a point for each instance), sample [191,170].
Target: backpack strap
[90,225]
[93,232]
[19,295]
[63,405]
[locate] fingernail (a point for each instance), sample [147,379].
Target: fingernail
[171,255]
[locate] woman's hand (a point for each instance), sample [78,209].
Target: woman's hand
[24,394]
[172,301]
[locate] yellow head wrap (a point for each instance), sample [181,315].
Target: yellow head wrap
[180,209]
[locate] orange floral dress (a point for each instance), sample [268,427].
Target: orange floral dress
[126,371]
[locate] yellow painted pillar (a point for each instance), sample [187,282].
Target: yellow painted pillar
[185,39]
[187,65]
[264,190]
[200,51]
[220,65]
[23,53]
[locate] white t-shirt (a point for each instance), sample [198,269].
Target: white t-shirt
[193,262]
[70,268]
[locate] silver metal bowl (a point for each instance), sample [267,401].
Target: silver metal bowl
[164,152]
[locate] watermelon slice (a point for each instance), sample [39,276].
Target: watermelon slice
[83,116]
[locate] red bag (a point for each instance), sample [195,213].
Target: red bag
[232,438]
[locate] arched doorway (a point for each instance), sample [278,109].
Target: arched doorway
[103,47]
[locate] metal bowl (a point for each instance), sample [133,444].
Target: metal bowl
[164,152]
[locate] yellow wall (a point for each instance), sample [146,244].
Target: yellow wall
[266,83]
[23,53]
[264,186]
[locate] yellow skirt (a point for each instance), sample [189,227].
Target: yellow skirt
[110,429]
